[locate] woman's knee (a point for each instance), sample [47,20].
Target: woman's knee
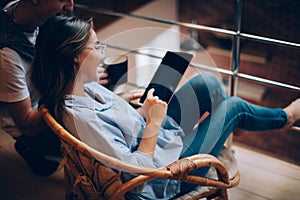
[210,80]
[237,103]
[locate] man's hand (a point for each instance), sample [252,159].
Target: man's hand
[102,76]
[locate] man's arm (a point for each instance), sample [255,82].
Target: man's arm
[29,121]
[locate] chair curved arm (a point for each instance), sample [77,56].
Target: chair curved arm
[180,169]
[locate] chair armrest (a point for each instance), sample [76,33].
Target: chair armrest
[179,170]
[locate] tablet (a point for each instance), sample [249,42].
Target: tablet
[168,75]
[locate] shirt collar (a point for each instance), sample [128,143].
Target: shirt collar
[95,92]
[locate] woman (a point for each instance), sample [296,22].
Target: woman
[64,72]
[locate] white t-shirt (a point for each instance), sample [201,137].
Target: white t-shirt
[14,84]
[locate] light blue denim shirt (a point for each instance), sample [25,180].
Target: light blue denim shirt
[109,124]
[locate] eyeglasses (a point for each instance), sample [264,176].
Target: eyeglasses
[100,48]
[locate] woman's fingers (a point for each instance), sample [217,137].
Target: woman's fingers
[150,93]
[151,97]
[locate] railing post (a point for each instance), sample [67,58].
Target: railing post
[235,57]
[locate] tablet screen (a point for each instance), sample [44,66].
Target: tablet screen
[168,75]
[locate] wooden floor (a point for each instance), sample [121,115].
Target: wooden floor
[262,177]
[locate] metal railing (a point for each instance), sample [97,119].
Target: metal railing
[235,51]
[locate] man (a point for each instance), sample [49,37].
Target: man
[19,26]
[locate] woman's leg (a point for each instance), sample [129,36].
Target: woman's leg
[210,136]
[234,112]
[200,94]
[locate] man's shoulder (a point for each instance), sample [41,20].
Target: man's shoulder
[8,51]
[9,58]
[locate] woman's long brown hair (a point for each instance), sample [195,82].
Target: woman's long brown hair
[53,71]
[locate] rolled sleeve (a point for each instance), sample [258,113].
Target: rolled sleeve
[13,79]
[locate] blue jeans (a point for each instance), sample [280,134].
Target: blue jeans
[204,93]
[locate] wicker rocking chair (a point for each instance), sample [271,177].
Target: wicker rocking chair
[89,174]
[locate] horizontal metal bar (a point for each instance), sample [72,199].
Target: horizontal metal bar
[267,81]
[187,25]
[269,40]
[213,69]
[132,51]
[190,25]
[295,128]
[246,76]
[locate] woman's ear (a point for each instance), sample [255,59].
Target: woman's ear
[76,61]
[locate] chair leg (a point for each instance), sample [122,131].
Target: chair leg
[221,194]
